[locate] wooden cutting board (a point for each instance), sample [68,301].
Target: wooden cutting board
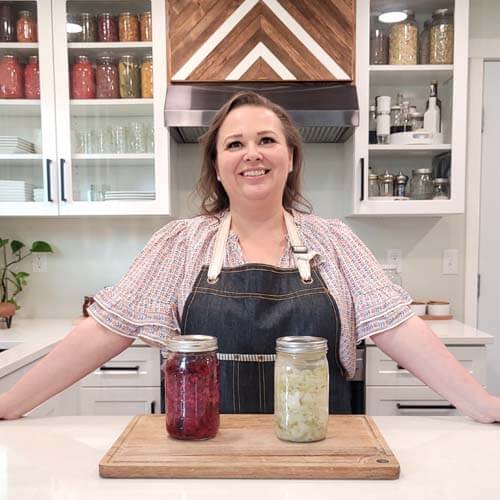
[246,447]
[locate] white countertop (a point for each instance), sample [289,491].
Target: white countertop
[445,458]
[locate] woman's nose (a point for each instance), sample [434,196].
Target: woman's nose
[252,153]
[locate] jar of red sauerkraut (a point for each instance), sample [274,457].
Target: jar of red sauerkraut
[192,387]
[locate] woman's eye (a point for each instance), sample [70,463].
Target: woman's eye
[233,145]
[267,140]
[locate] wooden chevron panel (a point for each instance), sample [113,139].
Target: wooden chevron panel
[212,40]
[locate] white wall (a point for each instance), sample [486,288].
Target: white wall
[484,16]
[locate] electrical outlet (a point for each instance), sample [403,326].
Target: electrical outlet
[39,263]
[394,256]
[450,261]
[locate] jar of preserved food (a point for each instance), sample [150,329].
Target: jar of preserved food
[424,44]
[32,78]
[11,78]
[147,77]
[107,27]
[26,27]
[416,120]
[129,77]
[403,41]
[128,27]
[73,28]
[373,188]
[441,189]
[82,79]
[378,46]
[386,184]
[301,388]
[441,37]
[106,76]
[7,23]
[89,27]
[192,387]
[421,185]
[146,28]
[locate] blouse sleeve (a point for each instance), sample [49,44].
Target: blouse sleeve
[144,302]
[379,304]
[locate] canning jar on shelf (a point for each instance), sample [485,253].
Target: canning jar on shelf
[192,387]
[107,27]
[146,27]
[403,40]
[301,388]
[441,37]
[128,27]
[129,77]
[106,77]
[421,185]
[26,27]
[7,22]
[11,78]
[32,79]
[147,77]
[89,27]
[82,79]
[378,46]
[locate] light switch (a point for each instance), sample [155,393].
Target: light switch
[450,261]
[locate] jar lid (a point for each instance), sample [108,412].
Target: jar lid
[24,13]
[300,344]
[395,107]
[372,177]
[192,343]
[105,14]
[82,58]
[386,177]
[408,12]
[416,114]
[127,56]
[441,180]
[149,57]
[442,12]
[147,13]
[401,178]
[422,171]
[125,13]
[86,14]
[104,58]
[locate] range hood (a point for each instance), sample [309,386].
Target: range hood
[322,112]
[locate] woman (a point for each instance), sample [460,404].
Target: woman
[255,266]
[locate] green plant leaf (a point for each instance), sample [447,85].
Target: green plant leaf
[41,246]
[3,242]
[12,301]
[16,245]
[20,274]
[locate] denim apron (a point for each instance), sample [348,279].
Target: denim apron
[248,307]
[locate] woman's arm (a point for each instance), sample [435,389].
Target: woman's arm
[416,347]
[86,347]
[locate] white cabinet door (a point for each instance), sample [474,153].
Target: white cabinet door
[119,400]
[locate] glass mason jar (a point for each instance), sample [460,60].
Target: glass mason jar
[147,77]
[421,185]
[82,79]
[73,22]
[441,189]
[416,120]
[146,27]
[403,41]
[372,125]
[379,51]
[7,23]
[32,79]
[26,27]
[373,187]
[192,387]
[301,389]
[106,76]
[89,27]
[128,27]
[386,184]
[107,27]
[400,183]
[441,37]
[129,77]
[424,44]
[11,78]
[396,119]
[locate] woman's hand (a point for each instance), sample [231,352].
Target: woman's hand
[6,412]
[491,411]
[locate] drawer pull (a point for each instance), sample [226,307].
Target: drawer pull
[425,407]
[153,406]
[119,368]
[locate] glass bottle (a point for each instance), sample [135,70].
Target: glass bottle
[106,75]
[421,185]
[146,27]
[128,27]
[441,189]
[383,119]
[372,125]
[396,119]
[424,44]
[147,77]
[32,79]
[441,37]
[107,27]
[129,77]
[400,185]
[26,27]
[379,52]
[192,387]
[403,41]
[89,27]
[82,79]
[301,388]
[373,187]
[7,22]
[11,78]
[386,184]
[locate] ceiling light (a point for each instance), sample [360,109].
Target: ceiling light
[394,16]
[73,28]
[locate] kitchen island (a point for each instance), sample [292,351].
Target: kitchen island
[57,458]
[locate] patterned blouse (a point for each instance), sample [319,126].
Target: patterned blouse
[148,300]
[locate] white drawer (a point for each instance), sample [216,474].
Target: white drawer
[406,401]
[119,400]
[382,370]
[134,367]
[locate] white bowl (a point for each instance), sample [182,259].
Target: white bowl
[438,308]
[418,307]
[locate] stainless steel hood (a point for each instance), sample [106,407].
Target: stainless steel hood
[322,112]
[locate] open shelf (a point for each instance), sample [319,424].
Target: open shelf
[405,150]
[410,75]
[19,157]
[111,107]
[19,49]
[20,107]
[116,49]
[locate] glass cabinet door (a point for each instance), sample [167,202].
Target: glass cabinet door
[107,117]
[28,183]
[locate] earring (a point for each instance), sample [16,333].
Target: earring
[291,168]
[218,178]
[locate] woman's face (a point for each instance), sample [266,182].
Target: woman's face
[253,159]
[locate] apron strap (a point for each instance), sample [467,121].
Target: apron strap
[301,255]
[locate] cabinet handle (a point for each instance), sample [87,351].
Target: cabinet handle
[362,196]
[63,194]
[119,368]
[425,407]
[153,406]
[48,163]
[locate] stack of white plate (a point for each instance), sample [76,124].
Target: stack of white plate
[15,191]
[129,195]
[39,194]
[11,144]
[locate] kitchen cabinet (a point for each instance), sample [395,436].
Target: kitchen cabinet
[260,40]
[93,156]
[413,82]
[392,390]
[126,385]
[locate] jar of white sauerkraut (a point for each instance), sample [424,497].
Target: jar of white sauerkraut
[301,388]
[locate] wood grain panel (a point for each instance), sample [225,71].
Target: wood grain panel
[260,70]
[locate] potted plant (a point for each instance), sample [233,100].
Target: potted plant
[12,282]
